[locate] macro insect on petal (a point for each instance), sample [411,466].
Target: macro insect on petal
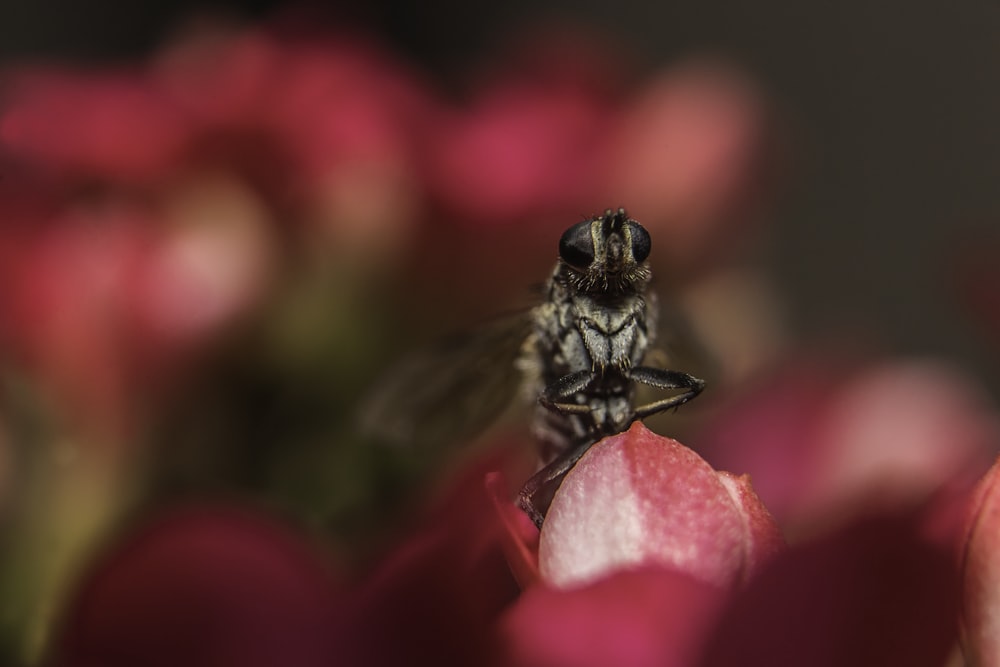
[580,352]
[588,341]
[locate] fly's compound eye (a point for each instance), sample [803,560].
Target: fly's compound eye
[641,243]
[576,247]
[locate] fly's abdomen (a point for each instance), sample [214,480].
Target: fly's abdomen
[558,433]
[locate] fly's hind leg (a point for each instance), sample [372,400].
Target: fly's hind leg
[664,379]
[548,478]
[555,397]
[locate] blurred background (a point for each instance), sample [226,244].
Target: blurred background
[889,109]
[221,224]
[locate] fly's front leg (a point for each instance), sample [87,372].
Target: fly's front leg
[664,379]
[555,397]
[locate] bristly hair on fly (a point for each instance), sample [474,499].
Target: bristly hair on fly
[607,270]
[578,353]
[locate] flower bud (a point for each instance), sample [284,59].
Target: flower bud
[638,499]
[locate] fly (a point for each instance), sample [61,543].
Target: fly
[580,352]
[589,338]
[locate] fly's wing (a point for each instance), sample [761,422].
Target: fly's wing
[451,391]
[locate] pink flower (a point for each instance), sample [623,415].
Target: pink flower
[204,586]
[638,499]
[880,591]
[214,587]
[221,585]
[686,154]
[644,617]
[90,124]
[981,574]
[874,592]
[327,127]
[435,597]
[640,549]
[105,304]
[518,152]
[824,441]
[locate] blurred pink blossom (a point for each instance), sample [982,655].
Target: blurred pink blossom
[651,616]
[874,593]
[222,586]
[823,441]
[325,131]
[520,151]
[332,125]
[98,124]
[686,154]
[980,559]
[210,585]
[435,596]
[104,302]
[164,195]
[878,591]
[526,144]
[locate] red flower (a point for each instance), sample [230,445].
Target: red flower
[204,586]
[104,303]
[327,127]
[650,616]
[825,441]
[877,591]
[90,124]
[521,151]
[981,574]
[638,499]
[686,154]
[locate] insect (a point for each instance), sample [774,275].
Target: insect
[580,351]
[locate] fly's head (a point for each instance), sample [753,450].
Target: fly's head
[605,254]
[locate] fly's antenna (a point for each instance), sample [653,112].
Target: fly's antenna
[613,221]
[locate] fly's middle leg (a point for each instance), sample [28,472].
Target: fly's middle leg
[556,397]
[664,379]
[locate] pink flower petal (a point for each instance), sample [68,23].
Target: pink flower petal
[827,440]
[109,122]
[653,616]
[521,151]
[873,594]
[686,155]
[436,597]
[519,537]
[981,575]
[638,498]
[203,586]
[765,537]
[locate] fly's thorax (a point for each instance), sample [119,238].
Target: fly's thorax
[613,336]
[577,331]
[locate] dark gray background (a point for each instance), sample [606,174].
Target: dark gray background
[893,106]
